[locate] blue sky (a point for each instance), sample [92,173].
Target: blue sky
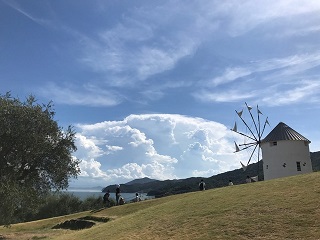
[152,86]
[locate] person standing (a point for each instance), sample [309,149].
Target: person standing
[202,185]
[118,194]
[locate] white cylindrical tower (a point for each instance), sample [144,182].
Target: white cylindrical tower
[285,152]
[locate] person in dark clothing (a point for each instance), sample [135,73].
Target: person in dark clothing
[106,200]
[118,194]
[137,198]
[202,185]
[121,201]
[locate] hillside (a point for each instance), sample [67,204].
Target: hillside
[141,181]
[286,208]
[315,159]
[170,187]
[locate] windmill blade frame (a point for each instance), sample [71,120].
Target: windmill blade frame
[255,133]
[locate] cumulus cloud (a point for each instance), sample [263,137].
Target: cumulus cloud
[88,146]
[160,146]
[91,168]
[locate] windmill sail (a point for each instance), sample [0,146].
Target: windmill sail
[267,122]
[235,127]
[255,178]
[240,113]
[243,166]
[237,148]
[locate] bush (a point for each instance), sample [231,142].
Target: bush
[57,204]
[92,203]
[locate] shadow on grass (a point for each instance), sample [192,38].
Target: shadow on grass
[74,224]
[80,223]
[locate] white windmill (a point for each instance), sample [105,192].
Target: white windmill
[285,153]
[253,135]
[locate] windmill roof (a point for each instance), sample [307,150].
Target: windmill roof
[284,132]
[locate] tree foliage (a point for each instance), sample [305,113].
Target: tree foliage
[35,154]
[58,205]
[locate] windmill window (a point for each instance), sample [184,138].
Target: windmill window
[273,143]
[299,166]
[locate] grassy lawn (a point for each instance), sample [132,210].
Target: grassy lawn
[287,208]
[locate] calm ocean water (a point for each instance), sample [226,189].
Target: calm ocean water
[83,194]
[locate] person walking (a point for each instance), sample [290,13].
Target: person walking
[118,194]
[202,185]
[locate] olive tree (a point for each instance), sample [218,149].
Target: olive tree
[35,155]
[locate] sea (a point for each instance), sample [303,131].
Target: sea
[82,194]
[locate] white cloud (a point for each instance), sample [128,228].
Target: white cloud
[156,92]
[231,74]
[91,168]
[247,15]
[86,95]
[144,43]
[305,90]
[275,82]
[230,95]
[160,146]
[114,148]
[141,62]
[88,147]
[41,21]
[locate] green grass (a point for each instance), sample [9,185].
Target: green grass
[287,208]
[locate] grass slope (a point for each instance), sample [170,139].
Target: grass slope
[286,208]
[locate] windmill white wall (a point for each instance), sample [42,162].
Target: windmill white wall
[285,152]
